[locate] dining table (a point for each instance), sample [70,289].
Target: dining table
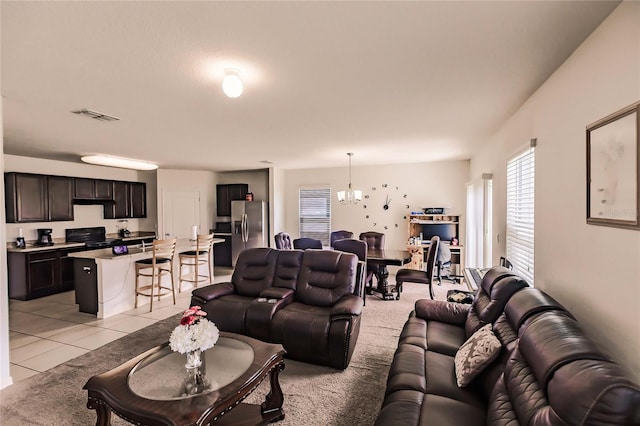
[381,258]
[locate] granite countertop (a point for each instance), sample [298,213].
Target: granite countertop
[60,243]
[134,252]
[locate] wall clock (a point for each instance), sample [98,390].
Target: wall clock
[384,206]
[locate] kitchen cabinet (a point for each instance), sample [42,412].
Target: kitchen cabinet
[93,189]
[222,251]
[37,198]
[130,201]
[33,275]
[227,193]
[60,198]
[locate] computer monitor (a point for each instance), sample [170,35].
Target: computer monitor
[446,231]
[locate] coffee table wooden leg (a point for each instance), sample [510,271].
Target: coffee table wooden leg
[274,400]
[102,411]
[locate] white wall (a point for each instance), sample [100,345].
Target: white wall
[84,216]
[592,270]
[277,202]
[189,180]
[440,184]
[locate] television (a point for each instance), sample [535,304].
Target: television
[446,231]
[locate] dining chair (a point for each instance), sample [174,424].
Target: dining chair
[374,240]
[160,264]
[307,243]
[506,263]
[418,276]
[283,241]
[359,248]
[339,235]
[194,259]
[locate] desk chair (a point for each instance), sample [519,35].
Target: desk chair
[307,243]
[160,264]
[374,240]
[283,241]
[359,248]
[194,258]
[416,276]
[506,263]
[339,235]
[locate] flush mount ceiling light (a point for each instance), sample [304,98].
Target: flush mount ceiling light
[125,163]
[231,84]
[351,196]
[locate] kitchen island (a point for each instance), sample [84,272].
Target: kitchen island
[105,283]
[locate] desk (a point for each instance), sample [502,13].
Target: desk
[419,255]
[383,258]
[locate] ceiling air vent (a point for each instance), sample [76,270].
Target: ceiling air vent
[95,115]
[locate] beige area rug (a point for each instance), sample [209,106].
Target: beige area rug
[314,395]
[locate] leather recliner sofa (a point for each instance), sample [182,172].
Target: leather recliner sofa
[303,300]
[548,371]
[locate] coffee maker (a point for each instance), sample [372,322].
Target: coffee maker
[44,237]
[123,228]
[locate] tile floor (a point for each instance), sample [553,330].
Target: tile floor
[48,331]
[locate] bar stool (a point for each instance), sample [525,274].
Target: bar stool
[160,264]
[194,258]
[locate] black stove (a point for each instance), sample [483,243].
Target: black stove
[94,237]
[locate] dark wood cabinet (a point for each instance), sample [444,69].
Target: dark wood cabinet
[93,189]
[60,198]
[222,252]
[130,201]
[227,193]
[26,198]
[38,198]
[33,275]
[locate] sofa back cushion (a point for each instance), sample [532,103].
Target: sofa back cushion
[497,287]
[557,376]
[254,271]
[325,277]
[288,268]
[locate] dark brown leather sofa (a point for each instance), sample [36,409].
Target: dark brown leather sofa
[301,299]
[548,371]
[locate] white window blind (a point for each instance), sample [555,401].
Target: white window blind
[315,214]
[520,220]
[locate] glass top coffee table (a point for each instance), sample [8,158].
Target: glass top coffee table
[149,389]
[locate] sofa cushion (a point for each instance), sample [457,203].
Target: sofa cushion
[325,277]
[475,354]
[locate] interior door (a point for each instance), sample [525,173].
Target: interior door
[181,210]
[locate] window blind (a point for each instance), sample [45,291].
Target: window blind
[315,214]
[520,213]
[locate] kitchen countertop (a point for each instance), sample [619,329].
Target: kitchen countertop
[60,243]
[134,252]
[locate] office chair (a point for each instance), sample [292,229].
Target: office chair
[307,243]
[339,235]
[283,241]
[417,276]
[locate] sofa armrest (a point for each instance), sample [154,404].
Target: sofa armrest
[213,291]
[438,310]
[276,293]
[348,305]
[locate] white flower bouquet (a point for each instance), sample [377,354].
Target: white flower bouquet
[194,332]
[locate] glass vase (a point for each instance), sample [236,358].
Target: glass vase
[196,381]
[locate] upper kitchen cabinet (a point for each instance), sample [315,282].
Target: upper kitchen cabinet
[38,198]
[227,193]
[130,201]
[93,189]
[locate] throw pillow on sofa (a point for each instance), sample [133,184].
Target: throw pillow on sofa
[476,354]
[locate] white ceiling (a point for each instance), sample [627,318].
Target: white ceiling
[393,82]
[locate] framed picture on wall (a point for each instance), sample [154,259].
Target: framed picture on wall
[613,160]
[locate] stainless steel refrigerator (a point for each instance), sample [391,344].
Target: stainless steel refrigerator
[248,226]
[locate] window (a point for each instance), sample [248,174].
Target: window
[315,214]
[520,203]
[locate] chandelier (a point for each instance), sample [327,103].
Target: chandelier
[351,196]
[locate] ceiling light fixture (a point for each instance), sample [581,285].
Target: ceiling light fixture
[351,196]
[231,84]
[125,163]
